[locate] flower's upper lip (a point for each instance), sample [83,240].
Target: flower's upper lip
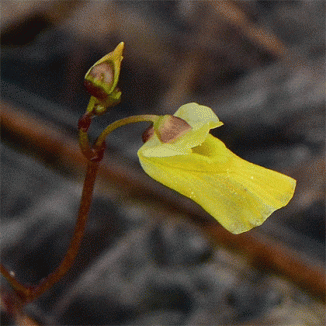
[198,115]
[200,118]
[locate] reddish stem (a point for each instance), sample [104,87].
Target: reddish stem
[72,252]
[84,122]
[28,294]
[21,290]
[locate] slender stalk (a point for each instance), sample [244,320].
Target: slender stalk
[21,289]
[72,252]
[84,144]
[123,122]
[83,125]
[91,104]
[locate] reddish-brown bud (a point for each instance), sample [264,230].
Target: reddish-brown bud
[170,128]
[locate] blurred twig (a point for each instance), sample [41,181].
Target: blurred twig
[219,18]
[234,16]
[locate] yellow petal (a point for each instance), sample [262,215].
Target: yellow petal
[201,119]
[239,194]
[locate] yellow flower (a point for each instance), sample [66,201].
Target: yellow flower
[238,194]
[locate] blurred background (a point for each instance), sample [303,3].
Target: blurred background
[150,256]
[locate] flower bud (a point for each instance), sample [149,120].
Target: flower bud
[102,78]
[99,80]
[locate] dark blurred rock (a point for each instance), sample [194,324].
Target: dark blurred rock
[311,222]
[17,175]
[169,295]
[24,32]
[177,244]
[251,300]
[160,318]
[96,310]
[129,276]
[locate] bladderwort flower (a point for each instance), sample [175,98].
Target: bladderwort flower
[240,195]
